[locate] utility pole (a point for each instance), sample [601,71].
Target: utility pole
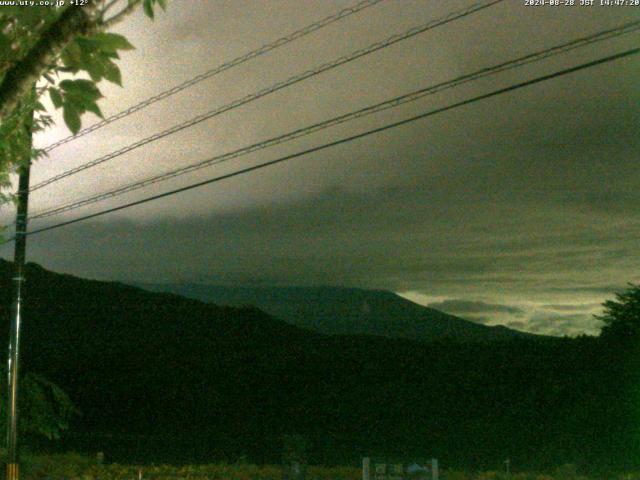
[19,256]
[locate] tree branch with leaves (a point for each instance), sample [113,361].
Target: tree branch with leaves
[40,43]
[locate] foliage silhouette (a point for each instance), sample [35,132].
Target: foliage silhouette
[621,316]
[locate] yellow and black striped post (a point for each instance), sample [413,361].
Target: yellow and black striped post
[12,471]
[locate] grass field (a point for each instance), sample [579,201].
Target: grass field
[73,466]
[77,467]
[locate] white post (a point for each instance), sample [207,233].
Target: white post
[366,466]
[434,469]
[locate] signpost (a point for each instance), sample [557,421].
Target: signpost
[400,471]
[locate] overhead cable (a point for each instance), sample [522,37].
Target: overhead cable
[344,140]
[369,110]
[219,69]
[274,88]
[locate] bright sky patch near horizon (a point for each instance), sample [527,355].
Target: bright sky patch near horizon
[518,210]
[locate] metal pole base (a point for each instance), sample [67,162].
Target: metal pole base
[12,471]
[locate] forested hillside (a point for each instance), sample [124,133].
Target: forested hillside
[161,378]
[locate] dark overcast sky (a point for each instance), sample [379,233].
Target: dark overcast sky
[521,209]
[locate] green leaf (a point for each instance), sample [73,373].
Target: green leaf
[94,65]
[71,56]
[110,55]
[112,73]
[78,85]
[147,6]
[95,72]
[87,44]
[71,118]
[94,108]
[82,88]
[56,98]
[110,42]
[37,153]
[81,104]
[163,5]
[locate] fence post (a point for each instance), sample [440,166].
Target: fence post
[434,469]
[366,467]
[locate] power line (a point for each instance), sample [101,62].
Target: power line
[208,74]
[348,139]
[369,110]
[219,69]
[274,88]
